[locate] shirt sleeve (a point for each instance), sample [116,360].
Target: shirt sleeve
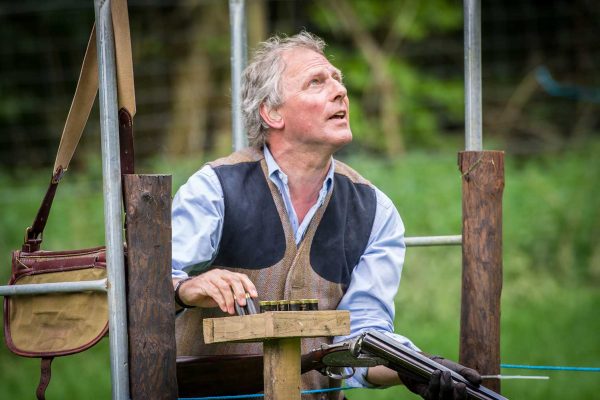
[375,281]
[197,223]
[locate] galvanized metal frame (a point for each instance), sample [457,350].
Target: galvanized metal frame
[111,169]
[100,285]
[420,241]
[472,49]
[113,200]
[239,56]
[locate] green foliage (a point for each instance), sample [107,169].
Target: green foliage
[551,265]
[424,103]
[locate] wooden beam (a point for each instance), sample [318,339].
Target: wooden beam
[281,369]
[277,324]
[482,188]
[280,332]
[150,305]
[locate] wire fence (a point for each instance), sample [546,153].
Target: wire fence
[181,59]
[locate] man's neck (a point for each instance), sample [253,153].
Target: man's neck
[306,172]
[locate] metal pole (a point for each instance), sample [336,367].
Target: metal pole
[111,174]
[239,50]
[417,241]
[58,287]
[472,17]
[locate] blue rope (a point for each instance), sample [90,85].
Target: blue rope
[248,396]
[328,390]
[573,92]
[237,396]
[584,369]
[513,366]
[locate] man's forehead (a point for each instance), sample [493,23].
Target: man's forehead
[304,59]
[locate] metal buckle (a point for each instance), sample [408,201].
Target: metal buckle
[58,174]
[31,244]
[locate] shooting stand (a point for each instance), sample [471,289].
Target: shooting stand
[280,332]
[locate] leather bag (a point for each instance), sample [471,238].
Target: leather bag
[59,324]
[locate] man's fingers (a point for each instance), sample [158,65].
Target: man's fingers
[216,295]
[433,390]
[238,291]
[221,287]
[248,285]
[225,290]
[240,285]
[460,391]
[446,389]
[471,375]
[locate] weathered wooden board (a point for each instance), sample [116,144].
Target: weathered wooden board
[276,324]
[150,306]
[482,187]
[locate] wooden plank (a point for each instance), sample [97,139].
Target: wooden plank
[150,307]
[482,186]
[281,369]
[279,324]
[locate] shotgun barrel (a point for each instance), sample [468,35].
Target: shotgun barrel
[403,359]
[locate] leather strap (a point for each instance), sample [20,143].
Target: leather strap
[125,86]
[82,103]
[87,85]
[45,375]
[126,142]
[83,100]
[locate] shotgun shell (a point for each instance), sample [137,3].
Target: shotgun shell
[250,306]
[265,306]
[303,305]
[283,305]
[313,304]
[294,305]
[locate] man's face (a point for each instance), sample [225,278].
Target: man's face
[315,102]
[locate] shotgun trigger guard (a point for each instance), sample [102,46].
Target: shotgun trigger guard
[338,372]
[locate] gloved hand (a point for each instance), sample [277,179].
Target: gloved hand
[440,385]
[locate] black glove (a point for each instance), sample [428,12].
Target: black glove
[440,385]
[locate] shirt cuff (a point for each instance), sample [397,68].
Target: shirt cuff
[178,274]
[359,379]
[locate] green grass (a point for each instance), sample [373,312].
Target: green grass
[550,298]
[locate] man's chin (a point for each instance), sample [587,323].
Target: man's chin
[342,142]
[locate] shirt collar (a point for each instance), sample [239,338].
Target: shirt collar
[275,172]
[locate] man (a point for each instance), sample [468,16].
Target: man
[284,220]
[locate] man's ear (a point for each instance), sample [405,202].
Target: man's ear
[271,117]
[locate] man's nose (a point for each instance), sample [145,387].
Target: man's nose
[339,90]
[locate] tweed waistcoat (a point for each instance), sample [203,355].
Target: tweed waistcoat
[258,240]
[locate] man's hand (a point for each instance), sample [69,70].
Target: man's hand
[217,287]
[440,385]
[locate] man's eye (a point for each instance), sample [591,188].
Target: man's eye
[314,82]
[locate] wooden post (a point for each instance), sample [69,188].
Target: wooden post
[150,306]
[482,187]
[280,333]
[282,355]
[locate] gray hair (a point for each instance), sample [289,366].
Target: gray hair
[261,80]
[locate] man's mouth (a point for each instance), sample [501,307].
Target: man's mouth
[339,115]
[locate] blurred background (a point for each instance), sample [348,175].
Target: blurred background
[403,66]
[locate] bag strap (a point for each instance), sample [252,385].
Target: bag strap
[83,100]
[46,374]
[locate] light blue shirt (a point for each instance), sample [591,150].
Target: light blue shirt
[197,225]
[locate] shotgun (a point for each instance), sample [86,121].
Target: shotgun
[211,375]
